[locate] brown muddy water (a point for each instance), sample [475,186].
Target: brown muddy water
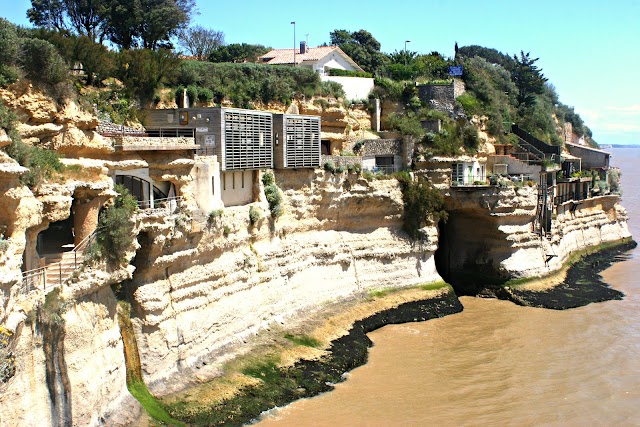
[500,364]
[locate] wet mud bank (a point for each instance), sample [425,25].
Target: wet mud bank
[307,378]
[581,286]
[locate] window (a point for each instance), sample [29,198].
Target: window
[457,172]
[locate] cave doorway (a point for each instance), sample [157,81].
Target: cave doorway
[55,240]
[469,251]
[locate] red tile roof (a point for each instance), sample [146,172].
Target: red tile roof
[285,56]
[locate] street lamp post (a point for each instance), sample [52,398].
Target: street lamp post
[294,42]
[405,51]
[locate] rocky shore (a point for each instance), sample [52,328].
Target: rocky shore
[582,285]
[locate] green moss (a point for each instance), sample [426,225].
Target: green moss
[435,286]
[303,340]
[140,391]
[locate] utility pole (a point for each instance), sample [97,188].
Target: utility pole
[294,43]
[405,51]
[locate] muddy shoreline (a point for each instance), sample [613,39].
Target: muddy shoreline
[582,285]
[307,378]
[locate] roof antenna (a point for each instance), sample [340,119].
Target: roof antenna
[307,38]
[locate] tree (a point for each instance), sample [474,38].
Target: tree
[163,19]
[403,57]
[201,42]
[362,47]
[528,78]
[84,17]
[8,52]
[48,14]
[238,53]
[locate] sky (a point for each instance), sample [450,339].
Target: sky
[589,49]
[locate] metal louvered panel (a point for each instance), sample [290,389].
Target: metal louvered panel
[299,141]
[247,140]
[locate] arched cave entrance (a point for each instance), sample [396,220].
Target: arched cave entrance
[470,249]
[56,239]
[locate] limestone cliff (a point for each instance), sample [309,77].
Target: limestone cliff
[205,290]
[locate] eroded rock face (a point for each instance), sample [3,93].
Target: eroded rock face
[490,234]
[198,303]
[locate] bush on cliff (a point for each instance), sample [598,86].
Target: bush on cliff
[114,234]
[422,202]
[8,52]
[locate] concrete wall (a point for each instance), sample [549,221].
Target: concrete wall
[237,187]
[206,183]
[514,166]
[354,87]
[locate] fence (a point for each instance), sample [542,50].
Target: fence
[160,206]
[53,275]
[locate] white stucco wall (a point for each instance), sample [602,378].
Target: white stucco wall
[206,183]
[334,60]
[354,87]
[234,193]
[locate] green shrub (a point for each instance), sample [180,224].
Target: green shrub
[470,104]
[8,52]
[268,178]
[348,73]
[368,175]
[41,61]
[192,93]
[143,71]
[329,166]
[422,202]
[273,195]
[4,243]
[114,234]
[406,124]
[254,215]
[43,164]
[214,215]
[243,84]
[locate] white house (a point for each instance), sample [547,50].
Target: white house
[322,59]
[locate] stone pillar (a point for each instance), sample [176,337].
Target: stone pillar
[375,117]
[85,217]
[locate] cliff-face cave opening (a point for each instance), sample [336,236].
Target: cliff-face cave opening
[468,252]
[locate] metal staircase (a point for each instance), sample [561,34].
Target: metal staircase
[534,150]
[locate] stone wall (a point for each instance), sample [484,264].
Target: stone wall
[382,147]
[442,97]
[341,160]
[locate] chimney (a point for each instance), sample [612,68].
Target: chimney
[303,47]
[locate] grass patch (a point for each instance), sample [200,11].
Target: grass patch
[140,391]
[381,293]
[435,286]
[304,340]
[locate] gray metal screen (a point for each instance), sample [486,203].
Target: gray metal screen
[247,140]
[302,141]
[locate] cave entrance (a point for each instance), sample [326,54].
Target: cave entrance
[468,253]
[55,240]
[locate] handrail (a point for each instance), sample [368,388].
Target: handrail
[31,278]
[146,204]
[552,151]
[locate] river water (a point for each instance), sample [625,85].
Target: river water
[500,364]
